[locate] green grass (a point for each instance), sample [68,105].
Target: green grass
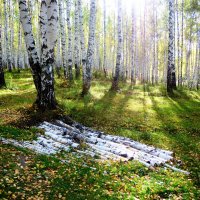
[143,113]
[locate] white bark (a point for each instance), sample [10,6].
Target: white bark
[63,36]
[107,147]
[69,57]
[82,37]
[91,48]
[77,41]
[105,36]
[119,49]
[171,73]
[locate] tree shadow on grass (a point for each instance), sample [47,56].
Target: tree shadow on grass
[183,138]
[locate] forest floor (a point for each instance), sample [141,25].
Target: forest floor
[143,113]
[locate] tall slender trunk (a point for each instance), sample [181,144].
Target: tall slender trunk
[182,42]
[2,78]
[114,46]
[19,47]
[90,52]
[105,36]
[154,46]
[63,37]
[133,41]
[115,83]
[171,72]
[198,59]
[30,45]
[82,38]
[77,41]
[188,55]
[127,52]
[6,31]
[178,41]
[12,35]
[157,49]
[69,57]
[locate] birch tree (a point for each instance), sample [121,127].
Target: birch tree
[82,39]
[6,31]
[2,79]
[19,47]
[69,57]
[182,42]
[115,82]
[105,36]
[63,37]
[77,41]
[171,73]
[178,41]
[42,72]
[133,41]
[87,76]
[49,19]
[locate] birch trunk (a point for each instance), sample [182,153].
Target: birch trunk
[77,41]
[2,79]
[154,46]
[157,50]
[198,63]
[7,44]
[178,41]
[49,19]
[82,38]
[90,52]
[105,36]
[115,83]
[12,34]
[30,45]
[188,55]
[42,72]
[182,42]
[63,37]
[69,60]
[19,47]
[171,73]
[133,41]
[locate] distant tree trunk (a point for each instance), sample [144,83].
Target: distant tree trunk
[105,36]
[114,46]
[2,79]
[198,59]
[178,41]
[58,56]
[157,50]
[171,73]
[182,43]
[133,41]
[63,38]
[188,54]
[77,41]
[12,35]
[90,52]
[127,52]
[7,43]
[19,47]
[82,38]
[69,60]
[154,46]
[115,83]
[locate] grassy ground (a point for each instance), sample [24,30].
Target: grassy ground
[144,113]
